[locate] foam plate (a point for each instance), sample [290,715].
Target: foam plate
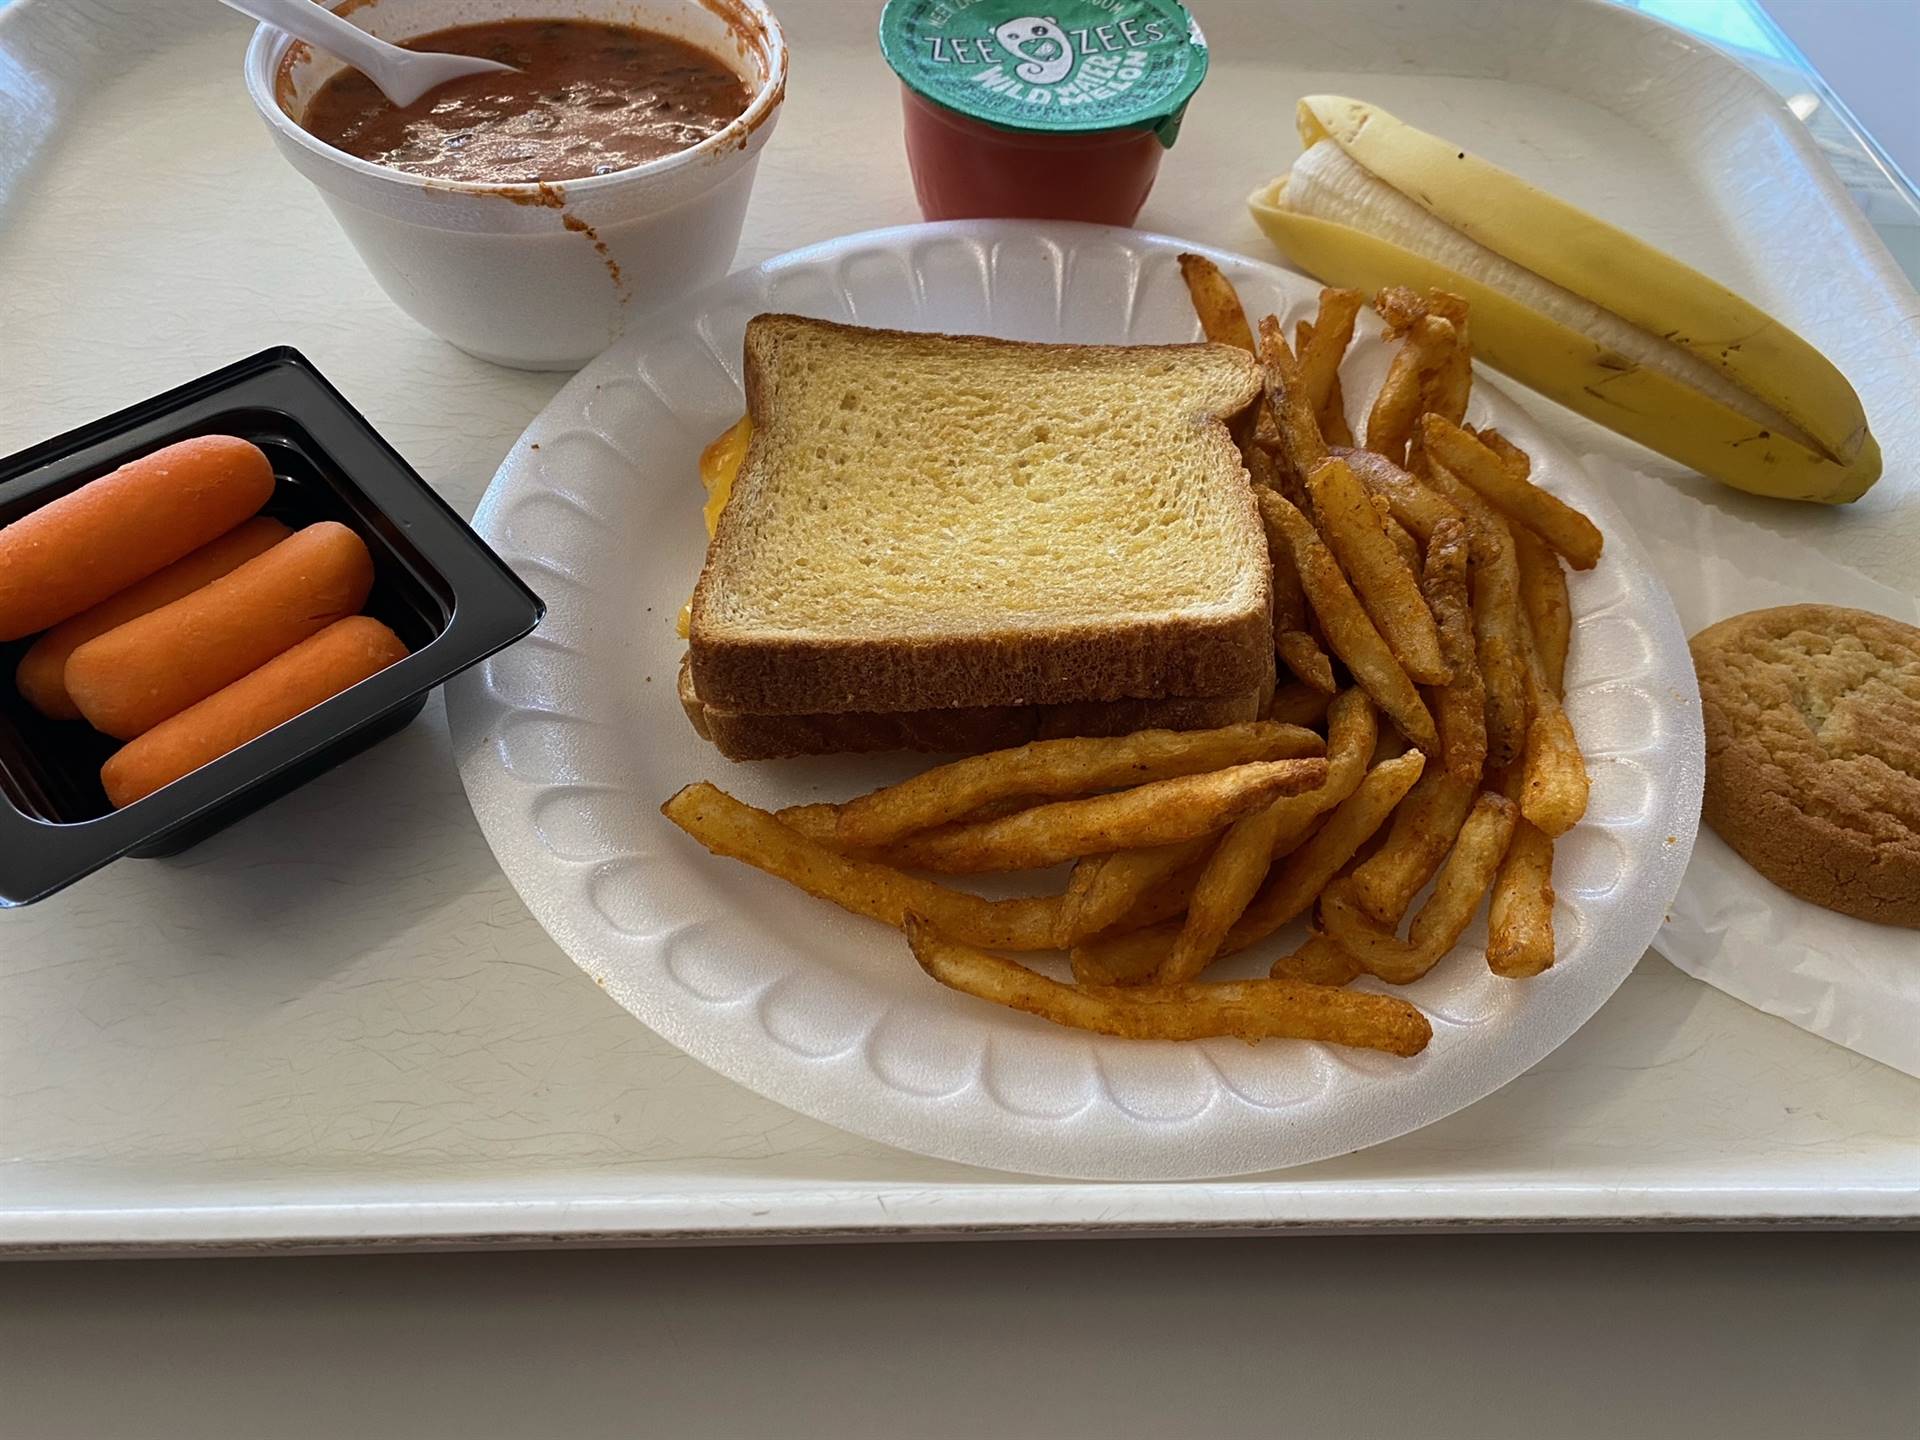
[569,742]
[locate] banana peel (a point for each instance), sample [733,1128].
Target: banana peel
[1825,453]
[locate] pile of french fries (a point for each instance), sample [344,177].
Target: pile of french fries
[1420,605]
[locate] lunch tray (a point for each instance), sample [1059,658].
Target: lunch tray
[336,1024]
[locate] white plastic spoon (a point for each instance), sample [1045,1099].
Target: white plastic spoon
[402,75]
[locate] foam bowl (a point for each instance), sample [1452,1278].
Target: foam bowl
[536,276]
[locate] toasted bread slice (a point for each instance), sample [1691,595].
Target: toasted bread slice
[967,731]
[926,522]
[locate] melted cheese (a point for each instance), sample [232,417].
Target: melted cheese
[719,467]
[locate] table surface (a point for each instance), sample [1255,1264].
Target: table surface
[1507,1337]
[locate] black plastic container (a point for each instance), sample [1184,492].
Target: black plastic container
[436,583]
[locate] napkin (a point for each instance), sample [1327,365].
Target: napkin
[1849,981]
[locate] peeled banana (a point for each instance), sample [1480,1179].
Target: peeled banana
[1571,306]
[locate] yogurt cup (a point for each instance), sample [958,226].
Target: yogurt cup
[1061,115]
[537,276]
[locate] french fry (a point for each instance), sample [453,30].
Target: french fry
[1379,574]
[730,827]
[1321,353]
[1221,894]
[1401,537]
[1334,426]
[1302,655]
[1464,879]
[1266,467]
[1517,461]
[1396,409]
[1056,769]
[1520,939]
[1081,881]
[1291,889]
[1450,387]
[1158,813]
[1401,307]
[1414,504]
[1300,704]
[1168,897]
[1292,641]
[1300,441]
[1127,957]
[1460,706]
[1392,745]
[1351,634]
[1262,473]
[1240,862]
[1554,783]
[1522,502]
[1543,599]
[1499,626]
[1222,319]
[1499,645]
[1445,389]
[1553,793]
[1352,730]
[1104,888]
[1449,307]
[1318,961]
[820,821]
[1457,892]
[1249,1010]
[1289,600]
[1373,945]
[1332,413]
[1423,831]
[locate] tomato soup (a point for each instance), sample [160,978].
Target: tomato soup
[587,99]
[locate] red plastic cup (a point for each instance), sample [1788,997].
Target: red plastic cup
[966,169]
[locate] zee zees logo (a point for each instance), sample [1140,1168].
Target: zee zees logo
[1060,66]
[1038,61]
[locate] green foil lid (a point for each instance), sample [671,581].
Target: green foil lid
[1050,65]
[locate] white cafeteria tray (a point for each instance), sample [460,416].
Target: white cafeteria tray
[336,1024]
